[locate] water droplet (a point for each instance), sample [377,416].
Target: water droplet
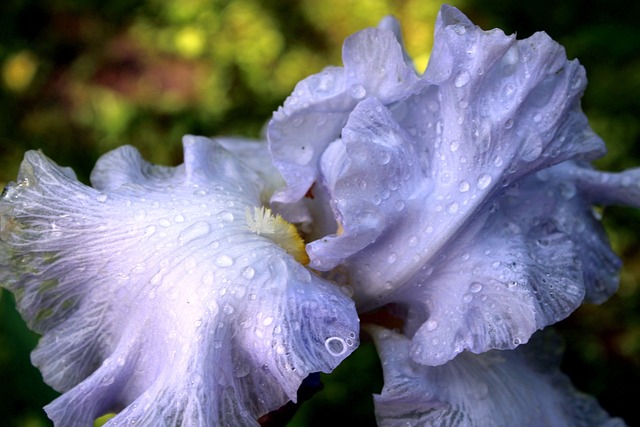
[475,287]
[358,91]
[393,257]
[399,205]
[467,298]
[164,222]
[228,308]
[459,29]
[462,78]
[508,124]
[453,207]
[567,190]
[431,325]
[454,145]
[537,118]
[106,380]
[463,186]
[224,261]
[484,181]
[384,158]
[248,272]
[178,218]
[225,216]
[509,90]
[531,148]
[101,197]
[413,241]
[336,346]
[267,321]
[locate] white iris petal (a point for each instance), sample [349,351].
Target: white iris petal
[154,296]
[521,387]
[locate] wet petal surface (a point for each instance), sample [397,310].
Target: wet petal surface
[155,296]
[499,388]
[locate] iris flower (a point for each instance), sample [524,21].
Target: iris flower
[459,200]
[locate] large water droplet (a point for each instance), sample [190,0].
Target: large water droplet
[303,154]
[358,91]
[484,181]
[475,287]
[431,325]
[224,261]
[248,272]
[336,346]
[462,78]
[531,148]
[225,216]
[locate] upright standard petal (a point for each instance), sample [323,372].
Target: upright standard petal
[166,295]
[442,202]
[522,387]
[315,113]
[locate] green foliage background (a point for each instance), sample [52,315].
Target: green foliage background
[81,77]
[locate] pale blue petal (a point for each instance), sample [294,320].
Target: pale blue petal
[366,172]
[314,114]
[435,190]
[154,297]
[521,387]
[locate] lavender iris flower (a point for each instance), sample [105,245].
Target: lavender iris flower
[462,198]
[462,194]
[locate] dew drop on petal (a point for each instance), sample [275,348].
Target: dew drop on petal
[475,287]
[225,216]
[484,181]
[224,261]
[462,78]
[228,309]
[248,272]
[336,346]
[463,186]
[384,158]
[432,325]
[101,197]
[358,91]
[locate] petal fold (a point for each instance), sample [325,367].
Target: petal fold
[523,387]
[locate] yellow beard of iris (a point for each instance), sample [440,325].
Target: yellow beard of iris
[262,222]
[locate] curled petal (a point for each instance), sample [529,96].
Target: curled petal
[314,114]
[523,387]
[442,194]
[155,296]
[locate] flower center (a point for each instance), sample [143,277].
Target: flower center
[264,223]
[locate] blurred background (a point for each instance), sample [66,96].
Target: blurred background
[81,77]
